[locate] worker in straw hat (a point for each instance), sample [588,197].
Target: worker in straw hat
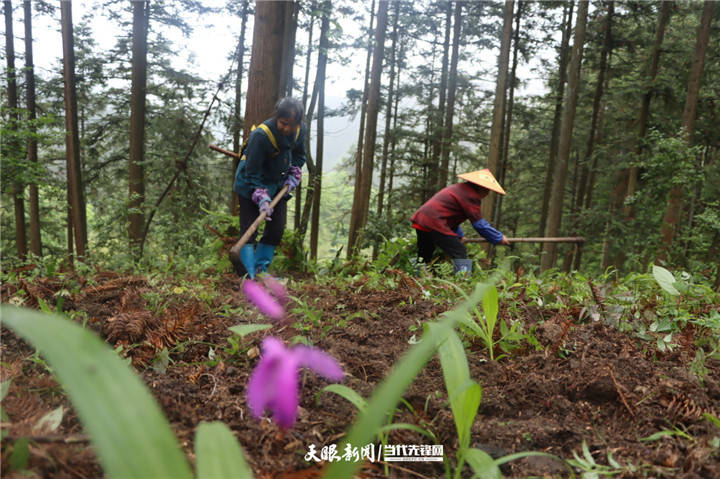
[437,222]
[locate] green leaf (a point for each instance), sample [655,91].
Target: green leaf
[245,329]
[386,396]
[125,424]
[482,464]
[658,435]
[464,393]
[20,455]
[346,393]
[4,388]
[665,279]
[711,418]
[490,305]
[218,453]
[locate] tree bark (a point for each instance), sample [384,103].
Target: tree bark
[644,115]
[266,82]
[561,168]
[320,80]
[494,152]
[512,80]
[597,107]
[557,118]
[359,213]
[354,229]
[671,219]
[136,169]
[388,112]
[308,58]
[451,93]
[32,148]
[13,145]
[438,132]
[72,138]
[393,143]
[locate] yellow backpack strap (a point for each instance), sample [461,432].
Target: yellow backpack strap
[269,134]
[297,134]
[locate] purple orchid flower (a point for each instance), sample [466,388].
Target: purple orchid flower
[276,288]
[263,300]
[274,384]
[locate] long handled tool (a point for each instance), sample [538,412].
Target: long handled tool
[235,250]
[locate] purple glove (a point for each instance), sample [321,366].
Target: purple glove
[294,177]
[265,208]
[261,197]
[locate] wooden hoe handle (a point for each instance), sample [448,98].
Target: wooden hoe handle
[235,250]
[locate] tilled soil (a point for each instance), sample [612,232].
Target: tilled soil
[584,382]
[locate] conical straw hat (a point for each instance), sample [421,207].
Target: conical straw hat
[483,178]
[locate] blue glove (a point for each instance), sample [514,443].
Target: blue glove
[459,231]
[488,232]
[261,197]
[293,179]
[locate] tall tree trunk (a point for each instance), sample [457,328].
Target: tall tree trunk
[388,112]
[136,169]
[266,82]
[438,132]
[32,148]
[72,136]
[354,230]
[13,144]
[584,179]
[557,118]
[644,115]
[568,120]
[671,219]
[288,54]
[512,80]
[451,92]
[388,119]
[496,129]
[308,58]
[393,143]
[320,81]
[359,214]
[600,138]
[237,118]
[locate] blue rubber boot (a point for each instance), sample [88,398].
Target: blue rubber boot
[249,259]
[463,265]
[263,256]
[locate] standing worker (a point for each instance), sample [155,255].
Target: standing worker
[437,222]
[273,157]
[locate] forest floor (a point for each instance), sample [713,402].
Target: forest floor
[588,383]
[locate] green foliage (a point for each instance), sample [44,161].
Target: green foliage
[590,469]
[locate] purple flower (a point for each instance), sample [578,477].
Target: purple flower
[276,288]
[263,300]
[274,384]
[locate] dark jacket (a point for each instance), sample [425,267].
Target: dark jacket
[448,208]
[264,166]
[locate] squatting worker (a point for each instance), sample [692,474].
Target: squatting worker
[437,222]
[273,157]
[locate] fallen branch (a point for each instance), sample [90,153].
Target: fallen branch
[619,389]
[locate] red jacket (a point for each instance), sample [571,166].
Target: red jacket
[448,208]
